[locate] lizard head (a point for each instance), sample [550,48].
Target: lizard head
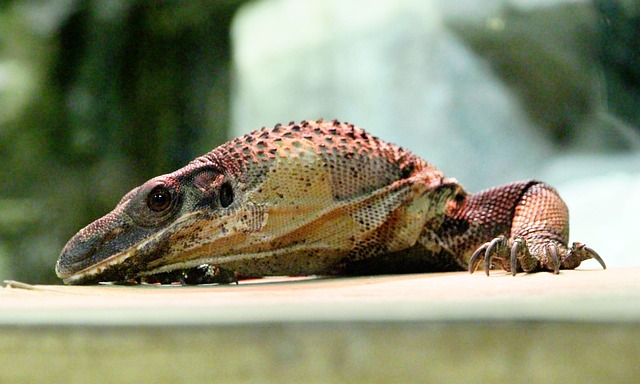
[292,200]
[129,239]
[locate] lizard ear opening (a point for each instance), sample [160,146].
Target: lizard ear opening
[216,189]
[226,195]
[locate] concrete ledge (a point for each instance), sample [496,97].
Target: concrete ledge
[581,326]
[353,352]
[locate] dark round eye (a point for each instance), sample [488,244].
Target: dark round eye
[159,199]
[226,195]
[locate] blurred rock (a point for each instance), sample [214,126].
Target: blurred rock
[486,91]
[396,70]
[469,86]
[604,213]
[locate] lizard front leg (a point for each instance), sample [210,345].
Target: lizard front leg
[538,236]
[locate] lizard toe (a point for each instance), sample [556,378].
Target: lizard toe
[578,253]
[494,250]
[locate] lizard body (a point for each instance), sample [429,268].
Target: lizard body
[323,198]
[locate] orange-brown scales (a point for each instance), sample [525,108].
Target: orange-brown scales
[357,161]
[319,198]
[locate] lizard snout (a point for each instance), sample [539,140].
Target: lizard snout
[90,245]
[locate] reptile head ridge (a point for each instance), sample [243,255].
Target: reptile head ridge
[127,241]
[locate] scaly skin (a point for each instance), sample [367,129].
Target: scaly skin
[322,198]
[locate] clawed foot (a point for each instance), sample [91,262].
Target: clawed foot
[551,256]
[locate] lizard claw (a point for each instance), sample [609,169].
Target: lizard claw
[551,256]
[487,250]
[578,253]
[475,258]
[551,251]
[498,250]
[519,246]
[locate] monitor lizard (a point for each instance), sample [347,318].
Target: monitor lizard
[318,198]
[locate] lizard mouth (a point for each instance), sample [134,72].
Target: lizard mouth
[96,272]
[112,250]
[110,271]
[124,268]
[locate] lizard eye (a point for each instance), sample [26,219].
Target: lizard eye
[159,199]
[155,202]
[226,195]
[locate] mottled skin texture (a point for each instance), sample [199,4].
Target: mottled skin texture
[321,198]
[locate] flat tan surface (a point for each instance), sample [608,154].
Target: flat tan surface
[591,295]
[581,326]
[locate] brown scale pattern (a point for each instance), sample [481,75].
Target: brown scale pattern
[360,163]
[482,217]
[320,197]
[327,138]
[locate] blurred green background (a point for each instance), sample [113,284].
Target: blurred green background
[95,98]
[98,96]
